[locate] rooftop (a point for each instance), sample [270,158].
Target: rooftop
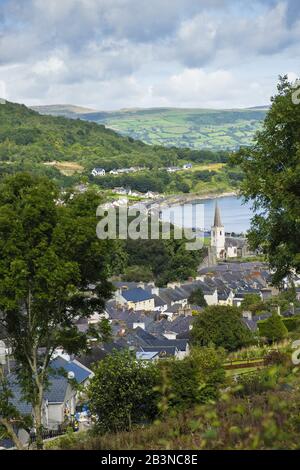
[136,295]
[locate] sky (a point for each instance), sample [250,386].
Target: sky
[112,54]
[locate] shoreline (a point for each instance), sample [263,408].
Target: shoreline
[184,198]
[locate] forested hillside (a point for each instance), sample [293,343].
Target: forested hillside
[67,149]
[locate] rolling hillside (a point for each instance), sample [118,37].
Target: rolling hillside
[193,128]
[67,150]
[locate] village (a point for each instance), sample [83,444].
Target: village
[152,323]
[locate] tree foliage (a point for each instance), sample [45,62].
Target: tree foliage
[272,183]
[273,328]
[49,257]
[221,326]
[195,379]
[197,298]
[122,392]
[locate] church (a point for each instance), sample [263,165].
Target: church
[223,247]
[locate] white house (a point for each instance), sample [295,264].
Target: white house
[60,398]
[187,166]
[98,172]
[135,299]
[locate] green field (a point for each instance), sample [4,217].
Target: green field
[193,128]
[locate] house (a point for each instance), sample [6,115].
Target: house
[173,169]
[225,297]
[178,348]
[147,356]
[151,195]
[161,352]
[136,299]
[60,397]
[98,172]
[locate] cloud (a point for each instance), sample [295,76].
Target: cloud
[108,53]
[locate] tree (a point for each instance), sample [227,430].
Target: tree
[11,420]
[197,298]
[272,183]
[253,303]
[195,379]
[49,257]
[273,328]
[122,392]
[221,326]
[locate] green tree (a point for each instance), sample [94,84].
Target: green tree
[122,392]
[253,303]
[11,420]
[195,379]
[197,298]
[49,257]
[221,326]
[273,328]
[272,182]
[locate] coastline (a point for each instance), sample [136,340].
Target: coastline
[174,200]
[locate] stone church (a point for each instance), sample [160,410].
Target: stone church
[223,247]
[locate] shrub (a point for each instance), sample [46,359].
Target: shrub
[273,328]
[221,326]
[122,393]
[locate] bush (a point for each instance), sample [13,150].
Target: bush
[122,393]
[195,379]
[273,328]
[221,326]
[292,324]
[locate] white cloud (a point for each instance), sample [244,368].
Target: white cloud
[112,53]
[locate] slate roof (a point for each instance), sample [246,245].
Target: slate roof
[250,324]
[94,355]
[146,355]
[181,324]
[158,301]
[57,390]
[173,308]
[55,393]
[144,335]
[80,373]
[110,347]
[180,344]
[167,350]
[136,295]
[17,400]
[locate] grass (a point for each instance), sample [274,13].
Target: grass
[194,128]
[203,167]
[66,168]
[233,372]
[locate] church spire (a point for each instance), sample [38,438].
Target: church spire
[217,221]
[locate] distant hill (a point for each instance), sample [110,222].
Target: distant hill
[194,128]
[67,110]
[67,149]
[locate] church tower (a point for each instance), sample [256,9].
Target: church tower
[218,234]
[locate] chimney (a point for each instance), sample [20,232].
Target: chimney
[247,314]
[155,291]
